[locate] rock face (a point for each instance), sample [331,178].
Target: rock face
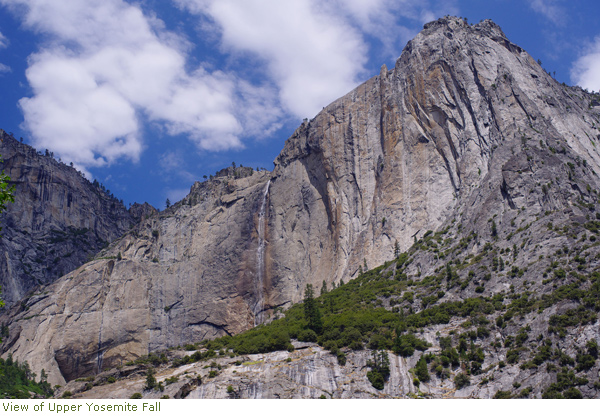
[182,275]
[311,372]
[57,222]
[466,127]
[391,159]
[142,211]
[307,372]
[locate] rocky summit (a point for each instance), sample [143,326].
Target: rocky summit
[466,174]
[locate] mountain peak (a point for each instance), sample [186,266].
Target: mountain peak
[454,23]
[467,136]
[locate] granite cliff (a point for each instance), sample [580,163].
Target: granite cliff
[466,135]
[58,221]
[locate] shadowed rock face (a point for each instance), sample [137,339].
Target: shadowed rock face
[57,222]
[441,135]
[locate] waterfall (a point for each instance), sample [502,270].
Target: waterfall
[260,260]
[100,354]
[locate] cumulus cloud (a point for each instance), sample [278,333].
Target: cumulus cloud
[106,69]
[550,9]
[314,51]
[586,70]
[312,56]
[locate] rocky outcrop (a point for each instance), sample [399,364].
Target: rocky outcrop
[58,221]
[311,372]
[307,372]
[142,211]
[467,126]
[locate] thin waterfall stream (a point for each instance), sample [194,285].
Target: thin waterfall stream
[259,285]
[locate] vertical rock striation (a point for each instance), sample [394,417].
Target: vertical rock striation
[58,220]
[260,260]
[441,133]
[391,159]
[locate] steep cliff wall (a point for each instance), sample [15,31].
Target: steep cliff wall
[184,274]
[57,222]
[390,160]
[442,132]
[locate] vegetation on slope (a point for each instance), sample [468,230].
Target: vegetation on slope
[17,381]
[385,309]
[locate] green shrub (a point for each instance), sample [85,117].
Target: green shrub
[573,393]
[461,380]
[585,362]
[171,380]
[504,395]
[565,381]
[421,370]
[405,345]
[136,396]
[307,336]
[525,393]
[592,347]
[380,369]
[151,382]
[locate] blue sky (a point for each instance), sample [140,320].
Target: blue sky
[149,96]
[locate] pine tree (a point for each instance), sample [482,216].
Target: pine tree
[323,288]
[312,314]
[380,369]
[151,382]
[421,370]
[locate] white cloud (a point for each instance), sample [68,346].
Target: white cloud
[313,56]
[549,9]
[3,41]
[104,70]
[586,70]
[314,50]
[3,44]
